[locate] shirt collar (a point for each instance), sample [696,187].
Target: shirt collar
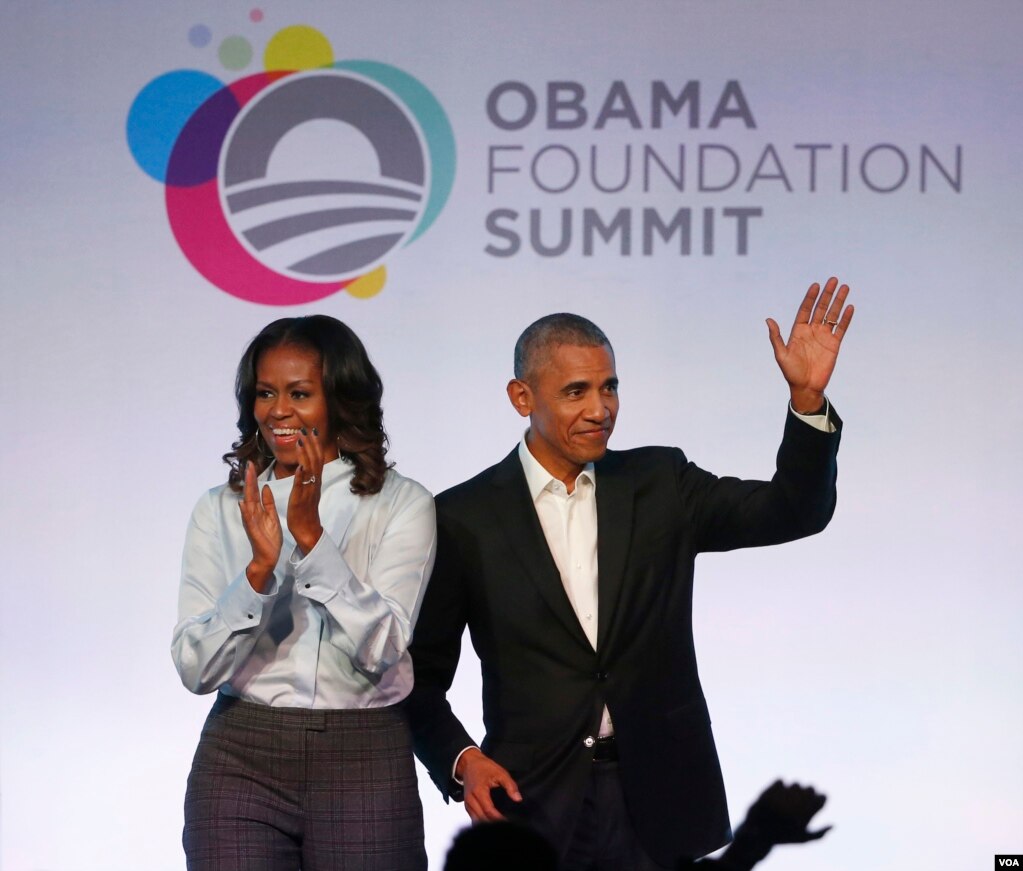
[335,469]
[538,478]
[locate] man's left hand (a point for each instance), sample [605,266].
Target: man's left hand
[808,358]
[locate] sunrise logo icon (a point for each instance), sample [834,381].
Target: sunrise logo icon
[322,175]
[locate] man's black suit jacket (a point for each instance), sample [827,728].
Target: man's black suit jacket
[544,686]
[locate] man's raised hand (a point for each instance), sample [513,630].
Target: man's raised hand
[808,358]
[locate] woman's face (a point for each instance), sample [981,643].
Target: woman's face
[289,396]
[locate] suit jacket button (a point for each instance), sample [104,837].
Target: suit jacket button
[601,675]
[588,741]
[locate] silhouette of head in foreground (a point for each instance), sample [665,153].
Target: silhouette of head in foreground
[500,846]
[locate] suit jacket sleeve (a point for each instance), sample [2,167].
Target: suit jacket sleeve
[438,735]
[799,500]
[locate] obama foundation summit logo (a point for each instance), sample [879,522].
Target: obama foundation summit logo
[287,185]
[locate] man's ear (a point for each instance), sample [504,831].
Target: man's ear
[521,397]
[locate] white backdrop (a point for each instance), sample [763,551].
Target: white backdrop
[880,661]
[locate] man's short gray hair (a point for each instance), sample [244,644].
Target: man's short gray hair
[540,338]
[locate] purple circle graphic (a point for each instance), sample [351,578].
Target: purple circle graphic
[200,36]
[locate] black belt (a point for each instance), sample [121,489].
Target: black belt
[605,749]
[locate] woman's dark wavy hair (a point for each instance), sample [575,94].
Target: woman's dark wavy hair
[353,391]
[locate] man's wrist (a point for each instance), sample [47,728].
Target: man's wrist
[808,402]
[458,769]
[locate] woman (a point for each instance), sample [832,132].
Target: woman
[301,580]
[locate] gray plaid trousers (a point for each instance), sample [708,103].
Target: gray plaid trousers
[283,789]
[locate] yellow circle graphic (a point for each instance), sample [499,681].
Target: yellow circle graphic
[369,284]
[298,47]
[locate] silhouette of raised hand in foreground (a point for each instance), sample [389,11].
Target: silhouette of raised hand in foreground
[780,815]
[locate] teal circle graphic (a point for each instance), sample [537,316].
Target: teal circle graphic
[160,112]
[440,138]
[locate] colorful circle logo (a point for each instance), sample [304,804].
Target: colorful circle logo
[288,185]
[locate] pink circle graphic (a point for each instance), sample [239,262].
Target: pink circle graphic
[197,219]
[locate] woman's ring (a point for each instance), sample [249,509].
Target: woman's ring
[310,480]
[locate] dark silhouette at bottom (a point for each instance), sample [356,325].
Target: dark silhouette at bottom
[500,846]
[780,815]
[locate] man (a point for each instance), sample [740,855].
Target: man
[572,566]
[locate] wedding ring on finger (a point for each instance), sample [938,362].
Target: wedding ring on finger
[830,323]
[310,480]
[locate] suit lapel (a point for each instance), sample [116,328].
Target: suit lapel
[514,508]
[615,498]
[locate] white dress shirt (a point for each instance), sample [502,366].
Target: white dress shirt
[333,629]
[569,523]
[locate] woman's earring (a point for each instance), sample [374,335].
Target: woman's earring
[262,447]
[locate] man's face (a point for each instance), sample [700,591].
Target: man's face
[572,403]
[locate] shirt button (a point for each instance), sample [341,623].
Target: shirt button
[588,741]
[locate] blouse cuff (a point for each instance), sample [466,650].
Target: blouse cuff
[322,573]
[241,607]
